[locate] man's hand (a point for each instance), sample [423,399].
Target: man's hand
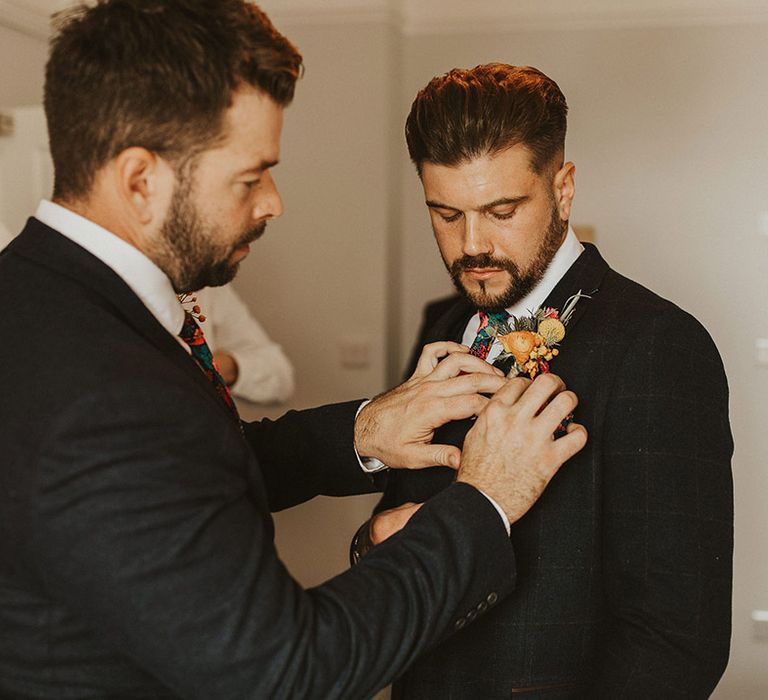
[388,522]
[510,454]
[397,427]
[379,528]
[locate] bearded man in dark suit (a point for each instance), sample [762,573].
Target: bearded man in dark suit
[624,566]
[136,542]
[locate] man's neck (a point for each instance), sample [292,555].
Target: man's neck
[107,216]
[568,252]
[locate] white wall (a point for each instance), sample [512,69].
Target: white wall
[22,62]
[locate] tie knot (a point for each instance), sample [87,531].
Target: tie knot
[494,319]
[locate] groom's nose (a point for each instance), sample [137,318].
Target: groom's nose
[476,239]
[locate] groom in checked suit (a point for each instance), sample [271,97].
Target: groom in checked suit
[624,565]
[136,542]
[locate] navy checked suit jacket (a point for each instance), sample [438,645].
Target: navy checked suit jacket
[624,565]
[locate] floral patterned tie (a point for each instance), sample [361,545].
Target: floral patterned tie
[496,320]
[193,336]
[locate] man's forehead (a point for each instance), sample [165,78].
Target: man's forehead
[488,177]
[253,122]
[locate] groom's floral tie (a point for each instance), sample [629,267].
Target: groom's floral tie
[481,345]
[193,336]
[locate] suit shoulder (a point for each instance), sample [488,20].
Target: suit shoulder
[637,311]
[634,300]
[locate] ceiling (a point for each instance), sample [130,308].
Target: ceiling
[423,16]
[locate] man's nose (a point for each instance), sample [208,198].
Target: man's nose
[269,204]
[476,240]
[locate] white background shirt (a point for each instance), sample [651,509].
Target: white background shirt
[264,373]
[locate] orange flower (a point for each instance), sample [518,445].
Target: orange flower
[519,344]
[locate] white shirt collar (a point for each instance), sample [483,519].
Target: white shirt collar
[146,279]
[570,249]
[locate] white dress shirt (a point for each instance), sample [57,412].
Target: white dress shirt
[146,279]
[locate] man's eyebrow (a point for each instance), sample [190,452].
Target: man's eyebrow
[504,201]
[260,168]
[438,205]
[432,204]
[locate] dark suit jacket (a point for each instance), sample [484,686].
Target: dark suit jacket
[624,565]
[136,544]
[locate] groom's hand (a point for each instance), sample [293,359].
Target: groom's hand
[510,454]
[397,427]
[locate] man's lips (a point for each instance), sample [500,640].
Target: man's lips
[482,273]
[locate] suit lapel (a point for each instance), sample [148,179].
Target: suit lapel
[585,276]
[47,247]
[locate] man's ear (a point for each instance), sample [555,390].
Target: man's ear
[145,183]
[565,189]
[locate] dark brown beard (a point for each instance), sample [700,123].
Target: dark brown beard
[521,282]
[190,257]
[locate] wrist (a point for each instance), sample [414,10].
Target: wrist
[363,432]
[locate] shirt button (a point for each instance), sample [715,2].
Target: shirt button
[482,607]
[460,623]
[492,598]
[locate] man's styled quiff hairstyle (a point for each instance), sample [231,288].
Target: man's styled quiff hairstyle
[159,74]
[466,114]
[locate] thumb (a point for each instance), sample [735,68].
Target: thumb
[440,456]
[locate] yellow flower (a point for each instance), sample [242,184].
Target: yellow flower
[552,330]
[519,344]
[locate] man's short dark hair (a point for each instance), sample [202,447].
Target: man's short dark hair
[159,74]
[469,113]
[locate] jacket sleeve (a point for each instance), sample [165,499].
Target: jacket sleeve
[309,453]
[150,522]
[668,518]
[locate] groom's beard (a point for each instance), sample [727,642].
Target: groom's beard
[521,282]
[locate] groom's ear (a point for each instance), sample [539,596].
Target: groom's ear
[564,190]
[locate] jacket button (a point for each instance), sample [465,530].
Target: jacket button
[471,615]
[482,607]
[460,623]
[492,598]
